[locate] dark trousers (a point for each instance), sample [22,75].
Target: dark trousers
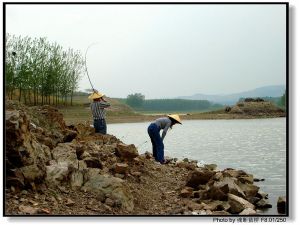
[100,126]
[157,144]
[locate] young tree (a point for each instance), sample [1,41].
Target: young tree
[35,66]
[135,100]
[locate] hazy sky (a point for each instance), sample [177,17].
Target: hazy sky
[165,50]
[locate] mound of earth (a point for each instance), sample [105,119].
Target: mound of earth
[256,107]
[55,169]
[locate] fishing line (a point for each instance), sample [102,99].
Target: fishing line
[142,144]
[86,69]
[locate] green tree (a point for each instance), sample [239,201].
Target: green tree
[135,100]
[283,99]
[42,69]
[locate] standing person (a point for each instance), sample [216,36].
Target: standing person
[98,110]
[154,128]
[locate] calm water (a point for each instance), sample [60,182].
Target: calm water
[257,146]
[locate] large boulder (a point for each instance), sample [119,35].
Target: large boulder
[238,204]
[218,193]
[64,163]
[199,176]
[58,172]
[249,190]
[106,185]
[127,152]
[24,155]
[229,185]
[65,152]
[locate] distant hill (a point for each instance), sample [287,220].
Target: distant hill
[230,99]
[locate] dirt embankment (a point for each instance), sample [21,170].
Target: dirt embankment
[55,169]
[242,110]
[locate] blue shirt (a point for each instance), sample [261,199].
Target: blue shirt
[163,123]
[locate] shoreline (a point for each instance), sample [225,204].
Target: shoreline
[149,118]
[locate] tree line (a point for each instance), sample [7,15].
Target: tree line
[137,101]
[168,105]
[40,72]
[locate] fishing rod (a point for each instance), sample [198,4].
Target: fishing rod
[141,144]
[86,69]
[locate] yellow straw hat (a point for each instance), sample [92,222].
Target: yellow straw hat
[96,95]
[175,117]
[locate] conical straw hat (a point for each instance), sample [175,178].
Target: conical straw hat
[175,117]
[96,95]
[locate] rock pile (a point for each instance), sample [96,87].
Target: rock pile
[59,170]
[224,192]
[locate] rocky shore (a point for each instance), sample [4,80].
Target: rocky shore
[55,169]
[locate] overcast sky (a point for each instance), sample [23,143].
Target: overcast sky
[165,51]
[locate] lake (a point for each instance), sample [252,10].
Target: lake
[257,146]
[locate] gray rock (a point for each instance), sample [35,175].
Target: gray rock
[238,204]
[58,172]
[210,166]
[263,203]
[233,173]
[90,173]
[218,193]
[248,212]
[281,204]
[33,173]
[23,153]
[261,194]
[228,185]
[76,179]
[253,200]
[246,179]
[249,190]
[66,152]
[199,176]
[112,186]
[28,210]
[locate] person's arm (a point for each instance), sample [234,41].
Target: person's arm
[165,131]
[103,103]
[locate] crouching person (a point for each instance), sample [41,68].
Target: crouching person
[154,128]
